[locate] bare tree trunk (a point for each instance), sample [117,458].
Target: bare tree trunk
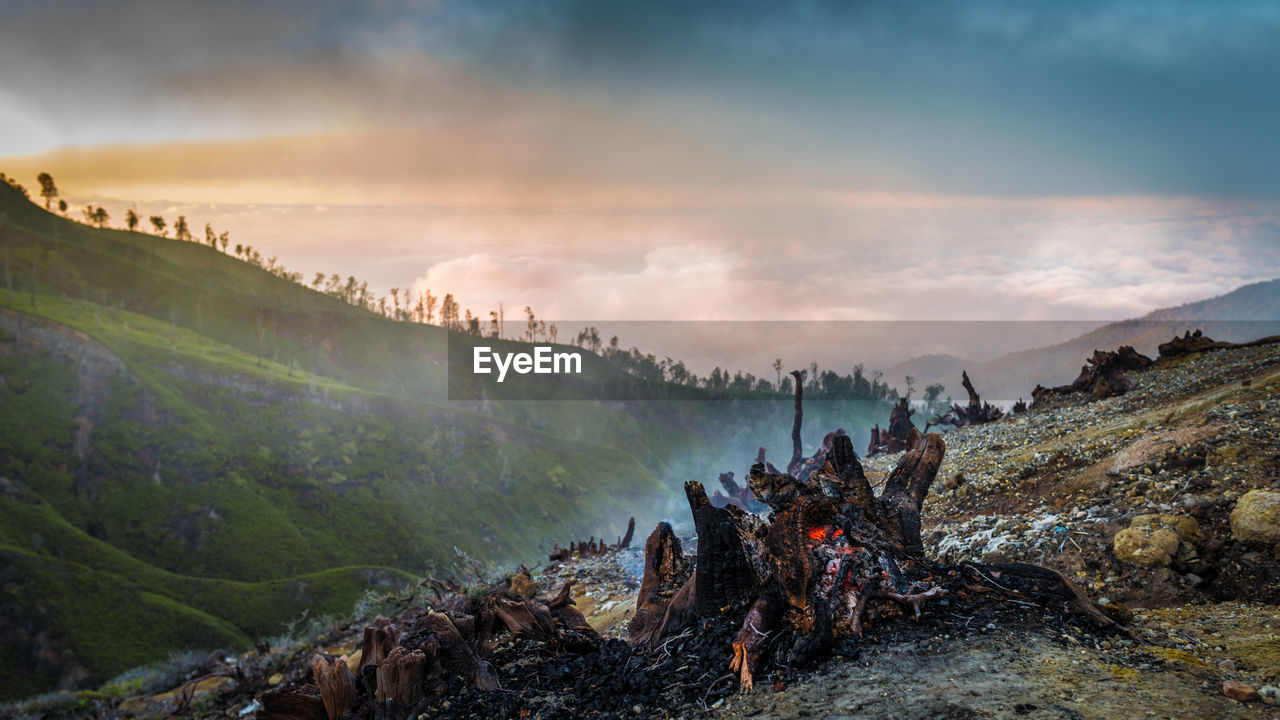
[797,450]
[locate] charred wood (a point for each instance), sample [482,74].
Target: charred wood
[900,425]
[1194,342]
[829,552]
[797,448]
[591,547]
[379,639]
[665,571]
[1102,377]
[337,686]
[898,436]
[976,412]
[725,578]
[290,705]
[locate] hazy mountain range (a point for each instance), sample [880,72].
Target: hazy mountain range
[1246,313]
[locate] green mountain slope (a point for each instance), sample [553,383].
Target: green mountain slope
[193,451]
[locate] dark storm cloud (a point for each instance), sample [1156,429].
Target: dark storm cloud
[1127,97]
[940,97]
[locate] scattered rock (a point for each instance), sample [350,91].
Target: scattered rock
[1238,691]
[1186,527]
[1154,539]
[1256,518]
[1270,694]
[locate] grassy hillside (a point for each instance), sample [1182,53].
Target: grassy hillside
[193,450]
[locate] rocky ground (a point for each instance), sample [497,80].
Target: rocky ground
[1163,503]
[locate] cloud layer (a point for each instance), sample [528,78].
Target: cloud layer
[973,98]
[667,159]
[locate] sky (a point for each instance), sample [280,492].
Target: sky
[676,160]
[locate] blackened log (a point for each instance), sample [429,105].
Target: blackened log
[1042,581]
[525,618]
[900,425]
[749,644]
[725,579]
[680,612]
[575,633]
[731,486]
[1101,377]
[906,488]
[1194,342]
[456,654]
[975,413]
[289,705]
[665,571]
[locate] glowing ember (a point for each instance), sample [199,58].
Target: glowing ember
[825,533]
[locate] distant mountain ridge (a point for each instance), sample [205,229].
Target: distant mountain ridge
[1255,302]
[1246,313]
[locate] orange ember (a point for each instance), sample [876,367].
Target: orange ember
[824,533]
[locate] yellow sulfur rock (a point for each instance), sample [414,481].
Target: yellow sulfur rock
[1256,517]
[1143,546]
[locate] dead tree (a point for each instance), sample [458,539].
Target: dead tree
[1102,377]
[591,548]
[829,549]
[899,435]
[797,448]
[1194,342]
[975,413]
[737,495]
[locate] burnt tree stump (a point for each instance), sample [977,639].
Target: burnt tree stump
[829,549]
[1103,376]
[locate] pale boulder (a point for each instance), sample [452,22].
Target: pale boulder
[1256,517]
[1154,539]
